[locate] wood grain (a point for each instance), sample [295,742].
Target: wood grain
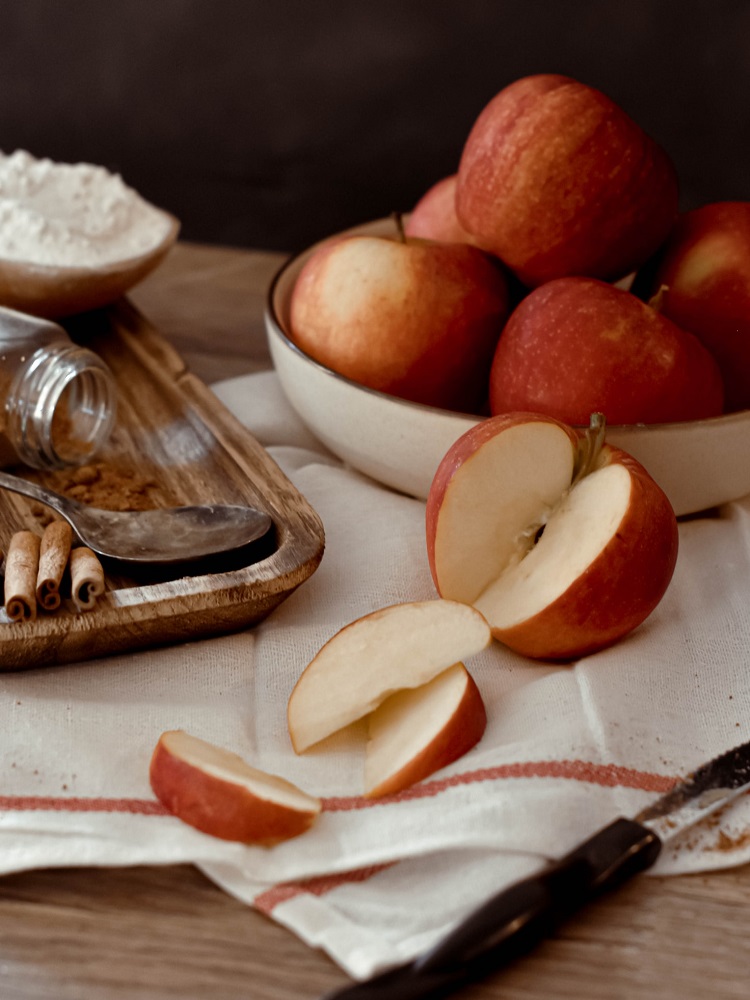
[168,934]
[165,411]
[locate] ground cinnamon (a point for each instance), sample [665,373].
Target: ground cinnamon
[104,484]
[65,439]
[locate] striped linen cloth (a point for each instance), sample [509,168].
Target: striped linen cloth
[567,748]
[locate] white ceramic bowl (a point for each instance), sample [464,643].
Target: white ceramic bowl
[700,464]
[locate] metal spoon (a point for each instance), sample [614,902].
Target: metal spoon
[152,537]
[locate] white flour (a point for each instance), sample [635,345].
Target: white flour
[63,214]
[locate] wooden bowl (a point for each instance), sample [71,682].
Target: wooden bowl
[700,464]
[53,292]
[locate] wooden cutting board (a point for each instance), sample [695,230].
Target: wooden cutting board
[175,435]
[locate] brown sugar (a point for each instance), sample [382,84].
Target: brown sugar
[107,485]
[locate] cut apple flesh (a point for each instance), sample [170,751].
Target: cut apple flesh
[497,503]
[416,732]
[401,646]
[577,530]
[219,793]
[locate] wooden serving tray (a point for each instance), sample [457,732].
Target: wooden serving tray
[173,430]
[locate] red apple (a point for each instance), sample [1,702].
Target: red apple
[705,277]
[434,216]
[219,794]
[401,646]
[413,318]
[576,346]
[416,732]
[555,179]
[563,543]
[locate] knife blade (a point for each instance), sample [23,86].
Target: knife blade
[517,918]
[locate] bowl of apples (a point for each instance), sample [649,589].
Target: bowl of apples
[553,274]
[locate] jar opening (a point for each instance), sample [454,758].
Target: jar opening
[61,407]
[82,418]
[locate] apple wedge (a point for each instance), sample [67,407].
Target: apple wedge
[563,543]
[218,793]
[415,732]
[400,646]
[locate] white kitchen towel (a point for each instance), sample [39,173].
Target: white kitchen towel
[567,748]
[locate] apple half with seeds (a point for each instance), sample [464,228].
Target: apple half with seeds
[564,544]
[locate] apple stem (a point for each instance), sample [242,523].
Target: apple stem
[399,220]
[657,299]
[589,447]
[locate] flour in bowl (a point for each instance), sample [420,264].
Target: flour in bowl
[73,215]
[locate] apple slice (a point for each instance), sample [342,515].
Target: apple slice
[218,793]
[563,543]
[416,732]
[400,646]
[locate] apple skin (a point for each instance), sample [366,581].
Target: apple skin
[458,731]
[434,216]
[577,346]
[222,808]
[413,318]
[556,179]
[617,591]
[706,270]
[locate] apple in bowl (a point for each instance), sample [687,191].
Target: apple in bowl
[416,319]
[565,544]
[577,345]
[556,179]
[434,215]
[703,282]
[400,443]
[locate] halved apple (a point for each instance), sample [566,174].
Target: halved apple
[418,731]
[218,793]
[400,646]
[563,543]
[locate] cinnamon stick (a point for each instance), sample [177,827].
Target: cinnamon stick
[86,578]
[21,568]
[53,558]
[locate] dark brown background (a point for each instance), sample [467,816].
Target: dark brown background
[273,122]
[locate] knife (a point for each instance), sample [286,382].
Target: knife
[522,915]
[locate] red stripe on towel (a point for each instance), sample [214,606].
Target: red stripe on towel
[318,886]
[607,775]
[34,803]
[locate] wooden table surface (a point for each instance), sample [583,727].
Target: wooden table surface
[158,933]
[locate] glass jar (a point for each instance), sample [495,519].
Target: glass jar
[57,399]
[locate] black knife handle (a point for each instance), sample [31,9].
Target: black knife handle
[522,915]
[517,918]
